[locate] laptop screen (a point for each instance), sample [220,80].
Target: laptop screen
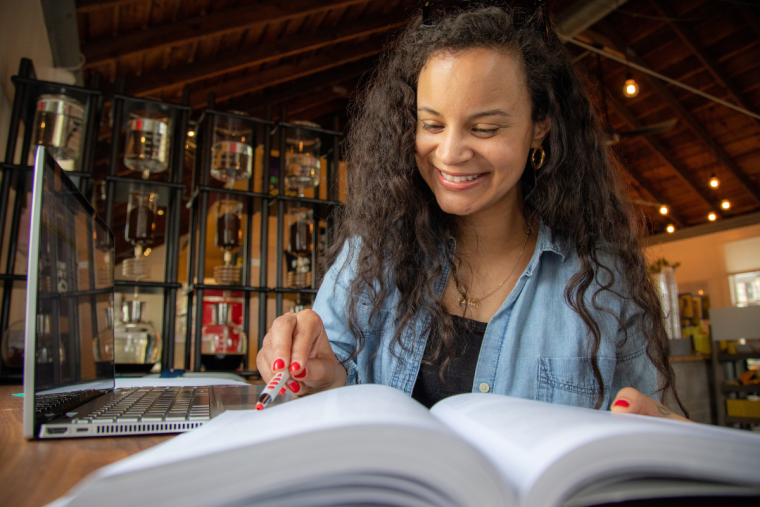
[69,333]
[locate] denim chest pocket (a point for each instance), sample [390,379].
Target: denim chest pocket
[570,380]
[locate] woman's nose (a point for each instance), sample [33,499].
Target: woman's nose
[453,148]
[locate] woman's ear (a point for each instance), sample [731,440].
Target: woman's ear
[540,130]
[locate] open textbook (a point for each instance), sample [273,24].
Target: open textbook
[373,445]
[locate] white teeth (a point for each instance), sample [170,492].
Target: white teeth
[458,179]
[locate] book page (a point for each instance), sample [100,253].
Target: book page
[346,406]
[525,438]
[353,445]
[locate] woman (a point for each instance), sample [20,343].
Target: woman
[487,243]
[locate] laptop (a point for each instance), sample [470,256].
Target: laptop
[69,380]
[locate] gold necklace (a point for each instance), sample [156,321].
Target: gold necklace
[475,303]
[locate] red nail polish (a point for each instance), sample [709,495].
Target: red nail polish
[294,386]
[279,364]
[282,391]
[294,367]
[621,403]
[300,375]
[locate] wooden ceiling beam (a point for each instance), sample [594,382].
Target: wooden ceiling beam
[675,165]
[672,216]
[749,185]
[217,23]
[150,84]
[750,17]
[319,110]
[284,73]
[84,6]
[710,63]
[303,86]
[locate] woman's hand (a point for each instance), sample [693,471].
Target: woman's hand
[297,342]
[630,401]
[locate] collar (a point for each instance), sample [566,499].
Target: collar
[546,242]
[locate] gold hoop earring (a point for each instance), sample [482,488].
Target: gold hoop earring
[540,163]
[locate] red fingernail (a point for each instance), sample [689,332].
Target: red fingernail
[300,375]
[294,387]
[279,364]
[282,391]
[294,367]
[621,403]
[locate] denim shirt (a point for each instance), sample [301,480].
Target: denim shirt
[535,346]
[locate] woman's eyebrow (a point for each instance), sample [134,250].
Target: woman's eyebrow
[428,110]
[482,114]
[493,112]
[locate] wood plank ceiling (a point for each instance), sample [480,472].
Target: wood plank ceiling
[305,59]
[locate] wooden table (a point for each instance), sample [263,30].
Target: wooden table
[35,473]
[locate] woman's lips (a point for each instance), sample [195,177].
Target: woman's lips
[466,181]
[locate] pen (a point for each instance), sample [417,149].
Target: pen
[275,386]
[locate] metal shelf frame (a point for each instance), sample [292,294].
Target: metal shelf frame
[273,135]
[170,184]
[15,169]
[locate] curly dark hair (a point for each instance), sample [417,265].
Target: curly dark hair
[578,193]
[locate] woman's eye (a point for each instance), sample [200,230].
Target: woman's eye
[485,132]
[434,128]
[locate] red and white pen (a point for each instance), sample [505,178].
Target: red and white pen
[276,386]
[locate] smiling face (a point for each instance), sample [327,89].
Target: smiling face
[474,131]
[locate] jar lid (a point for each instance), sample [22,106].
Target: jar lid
[148,125]
[60,104]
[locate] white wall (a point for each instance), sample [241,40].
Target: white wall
[704,262]
[22,35]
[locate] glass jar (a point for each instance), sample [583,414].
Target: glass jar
[13,345]
[58,125]
[137,346]
[223,342]
[229,235]
[300,230]
[302,164]
[231,151]
[141,218]
[148,142]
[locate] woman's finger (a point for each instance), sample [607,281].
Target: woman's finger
[631,401]
[281,338]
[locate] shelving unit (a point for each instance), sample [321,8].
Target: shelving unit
[16,171]
[262,192]
[732,324]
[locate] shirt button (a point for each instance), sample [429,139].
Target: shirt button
[484,388]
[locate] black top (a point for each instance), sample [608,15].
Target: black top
[460,372]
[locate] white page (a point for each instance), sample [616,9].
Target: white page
[346,406]
[523,438]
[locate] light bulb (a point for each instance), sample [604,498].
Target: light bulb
[671,228]
[631,88]
[725,204]
[663,210]
[712,216]
[190,133]
[714,182]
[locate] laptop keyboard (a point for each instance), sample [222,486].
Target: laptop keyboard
[51,404]
[153,404]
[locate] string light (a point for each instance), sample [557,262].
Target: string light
[725,204]
[663,210]
[671,229]
[631,88]
[190,133]
[712,216]
[714,182]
